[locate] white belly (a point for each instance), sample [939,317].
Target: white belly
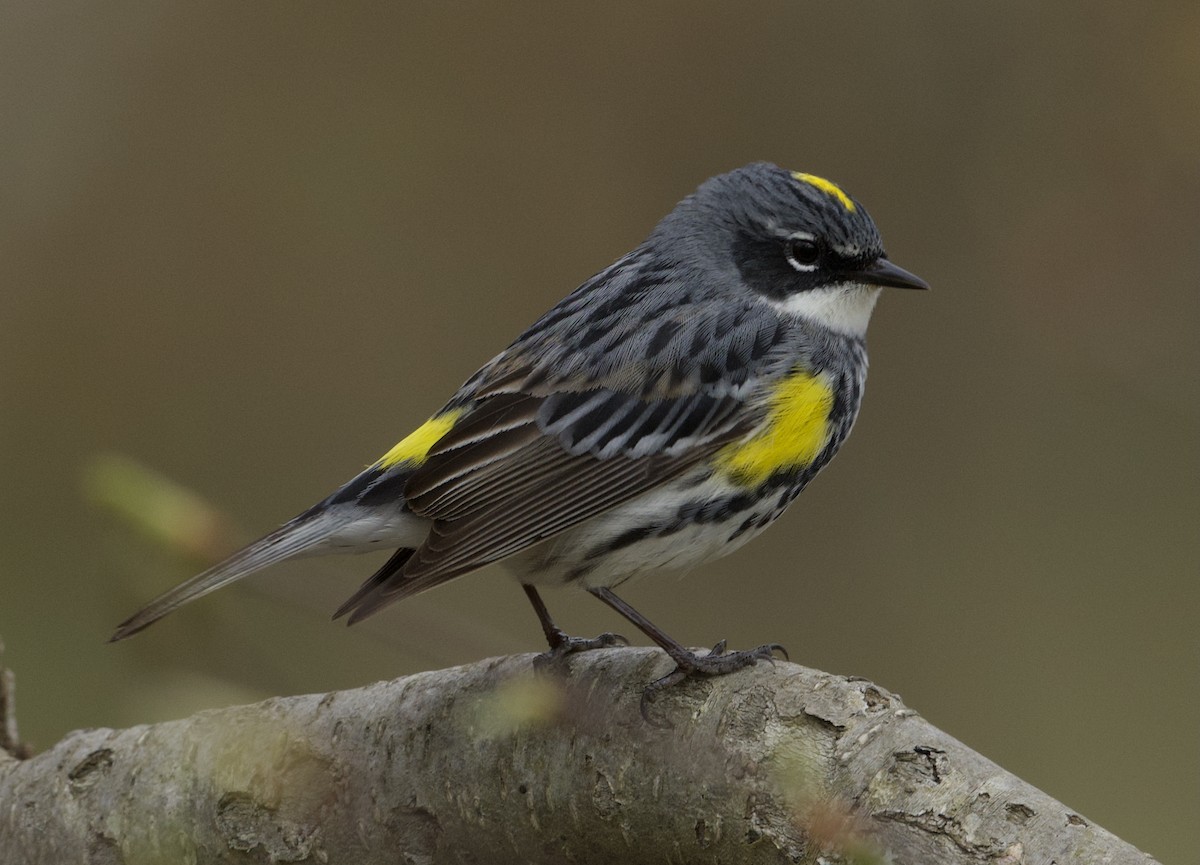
[583,553]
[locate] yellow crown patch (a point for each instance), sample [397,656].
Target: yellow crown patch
[826,186]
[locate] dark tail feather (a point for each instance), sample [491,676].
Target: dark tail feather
[390,568]
[293,538]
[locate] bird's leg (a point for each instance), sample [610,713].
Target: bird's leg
[717,662]
[560,643]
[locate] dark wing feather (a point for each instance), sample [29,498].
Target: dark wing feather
[560,427]
[491,496]
[390,568]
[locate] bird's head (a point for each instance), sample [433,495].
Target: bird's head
[794,240]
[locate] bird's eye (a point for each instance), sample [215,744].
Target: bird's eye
[803,252]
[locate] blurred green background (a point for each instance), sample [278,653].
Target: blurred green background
[250,245]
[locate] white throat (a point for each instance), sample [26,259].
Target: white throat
[845,308]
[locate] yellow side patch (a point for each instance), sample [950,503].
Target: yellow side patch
[414,447]
[826,186]
[796,430]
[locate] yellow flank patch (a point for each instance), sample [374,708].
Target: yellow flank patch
[796,430]
[414,447]
[826,186]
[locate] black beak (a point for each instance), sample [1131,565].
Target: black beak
[883,272]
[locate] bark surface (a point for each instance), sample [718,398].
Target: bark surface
[488,763]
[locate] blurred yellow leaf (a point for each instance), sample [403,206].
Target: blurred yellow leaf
[158,507]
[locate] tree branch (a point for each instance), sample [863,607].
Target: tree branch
[487,763]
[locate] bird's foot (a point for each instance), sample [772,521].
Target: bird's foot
[562,645]
[717,662]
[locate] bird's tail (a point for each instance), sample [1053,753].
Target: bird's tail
[294,537]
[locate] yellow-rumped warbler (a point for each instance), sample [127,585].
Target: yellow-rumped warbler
[662,414]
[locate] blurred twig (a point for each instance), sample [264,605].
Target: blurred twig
[10,738]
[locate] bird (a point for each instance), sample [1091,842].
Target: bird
[661,415]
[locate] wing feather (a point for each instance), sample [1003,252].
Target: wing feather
[491,496]
[554,434]
[580,487]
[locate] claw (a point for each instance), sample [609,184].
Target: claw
[767,652]
[718,662]
[650,694]
[570,645]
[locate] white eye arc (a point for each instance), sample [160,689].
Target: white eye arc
[803,252]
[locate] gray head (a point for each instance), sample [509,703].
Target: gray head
[796,241]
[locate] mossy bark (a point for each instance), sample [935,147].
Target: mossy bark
[488,763]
